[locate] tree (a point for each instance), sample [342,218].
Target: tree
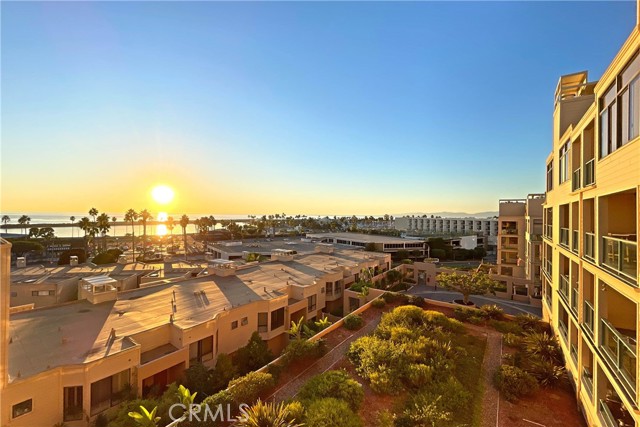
[103,226]
[85,225]
[330,412]
[113,221]
[24,220]
[254,355]
[393,276]
[170,225]
[73,220]
[20,247]
[184,221]
[6,219]
[144,217]
[476,283]
[370,247]
[93,212]
[144,418]
[131,216]
[33,232]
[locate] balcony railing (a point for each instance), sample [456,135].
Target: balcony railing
[548,231]
[564,236]
[587,381]
[575,241]
[574,353]
[605,415]
[563,288]
[589,173]
[587,317]
[575,180]
[547,268]
[574,301]
[589,246]
[563,330]
[620,350]
[509,231]
[621,256]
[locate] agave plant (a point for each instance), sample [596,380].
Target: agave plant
[263,414]
[144,418]
[546,372]
[542,345]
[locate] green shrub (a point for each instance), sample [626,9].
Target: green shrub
[419,375]
[506,327]
[254,355]
[463,314]
[295,411]
[222,373]
[546,372]
[266,414]
[330,412]
[530,323]
[421,414]
[544,346]
[353,322]
[514,383]
[416,300]
[198,378]
[381,362]
[336,384]
[107,257]
[512,340]
[493,311]
[378,303]
[298,350]
[384,419]
[248,388]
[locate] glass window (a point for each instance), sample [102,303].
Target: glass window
[245,321]
[72,403]
[22,408]
[234,324]
[634,109]
[564,162]
[262,322]
[604,133]
[277,318]
[311,302]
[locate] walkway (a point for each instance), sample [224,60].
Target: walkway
[509,307]
[325,363]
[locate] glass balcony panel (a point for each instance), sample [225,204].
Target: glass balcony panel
[605,415]
[574,300]
[574,240]
[587,381]
[621,351]
[589,246]
[589,173]
[564,287]
[564,236]
[575,180]
[587,315]
[621,256]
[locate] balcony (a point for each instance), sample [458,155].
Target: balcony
[575,180]
[613,413]
[587,318]
[605,415]
[589,173]
[564,236]
[548,231]
[509,231]
[587,381]
[574,301]
[620,256]
[620,353]
[547,268]
[563,288]
[563,330]
[574,353]
[575,243]
[589,246]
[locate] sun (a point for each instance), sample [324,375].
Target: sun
[162,194]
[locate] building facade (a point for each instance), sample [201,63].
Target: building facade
[487,227]
[69,363]
[590,236]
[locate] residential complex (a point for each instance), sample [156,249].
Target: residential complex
[450,226]
[380,243]
[590,239]
[70,362]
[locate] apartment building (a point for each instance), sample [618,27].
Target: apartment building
[70,362]
[381,243]
[590,240]
[487,227]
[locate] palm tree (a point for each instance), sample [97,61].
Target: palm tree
[24,220]
[184,221]
[170,225]
[144,217]
[113,221]
[93,212]
[131,216]
[85,224]
[5,219]
[103,226]
[72,219]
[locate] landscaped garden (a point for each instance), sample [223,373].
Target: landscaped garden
[395,364]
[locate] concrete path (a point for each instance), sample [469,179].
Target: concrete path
[325,363]
[509,307]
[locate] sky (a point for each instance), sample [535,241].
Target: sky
[304,108]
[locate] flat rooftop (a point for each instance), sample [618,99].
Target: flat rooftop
[262,246]
[78,332]
[360,237]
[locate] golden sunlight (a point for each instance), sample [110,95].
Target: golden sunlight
[161,230]
[162,216]
[162,194]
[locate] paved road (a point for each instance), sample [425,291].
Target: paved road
[509,307]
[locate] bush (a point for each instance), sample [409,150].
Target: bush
[199,379]
[267,414]
[512,340]
[384,418]
[506,327]
[378,303]
[530,323]
[546,372]
[543,346]
[254,355]
[421,414]
[353,322]
[298,350]
[222,373]
[514,383]
[419,375]
[65,257]
[395,297]
[464,314]
[247,389]
[416,300]
[493,311]
[107,257]
[296,411]
[336,384]
[330,412]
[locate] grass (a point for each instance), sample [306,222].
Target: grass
[469,372]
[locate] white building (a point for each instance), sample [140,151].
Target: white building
[450,226]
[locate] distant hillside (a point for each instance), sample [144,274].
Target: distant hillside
[486,214]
